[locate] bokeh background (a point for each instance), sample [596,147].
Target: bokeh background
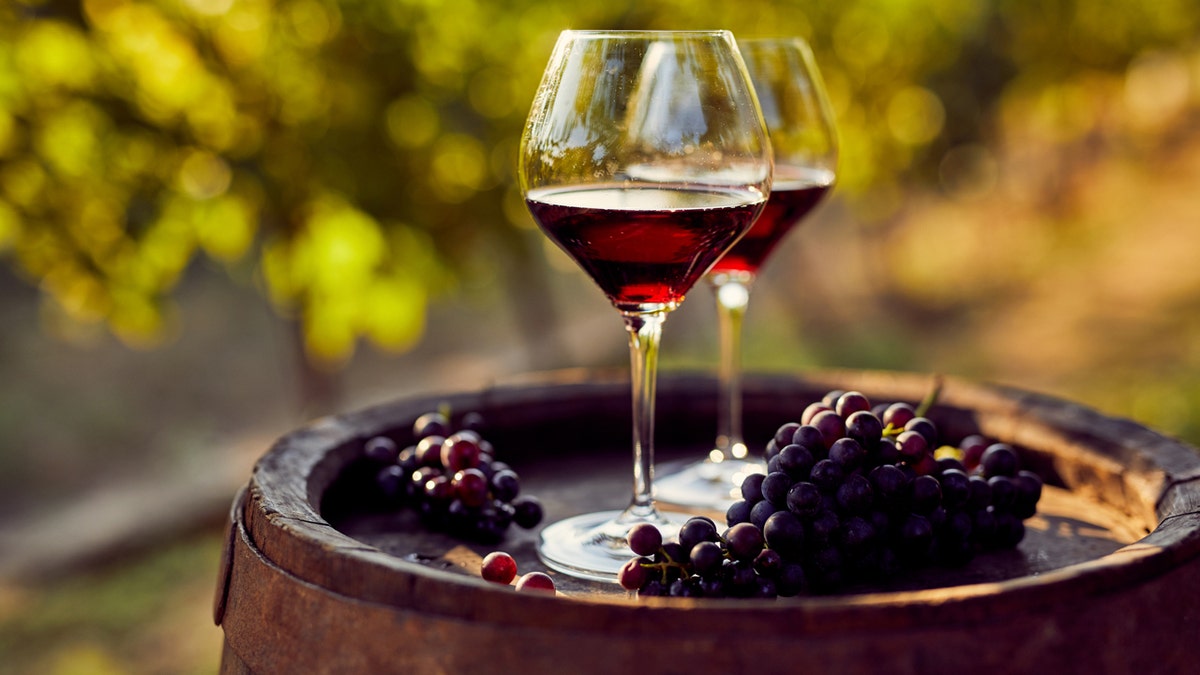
[222,218]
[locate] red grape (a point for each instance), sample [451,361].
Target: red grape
[498,567]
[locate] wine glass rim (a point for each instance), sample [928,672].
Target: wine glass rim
[609,33]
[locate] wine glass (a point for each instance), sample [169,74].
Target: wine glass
[800,122]
[644,158]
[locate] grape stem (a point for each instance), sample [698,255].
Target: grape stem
[921,410]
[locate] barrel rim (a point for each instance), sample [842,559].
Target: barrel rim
[286,526]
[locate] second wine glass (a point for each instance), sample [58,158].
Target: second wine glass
[644,158]
[800,122]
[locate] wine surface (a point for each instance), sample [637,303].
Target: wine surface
[795,193]
[644,245]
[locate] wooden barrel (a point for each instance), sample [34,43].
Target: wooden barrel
[1107,579]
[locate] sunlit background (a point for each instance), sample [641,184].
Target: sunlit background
[221,218]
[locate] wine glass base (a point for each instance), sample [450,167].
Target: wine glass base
[592,546]
[705,484]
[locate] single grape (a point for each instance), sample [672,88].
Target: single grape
[1009,530]
[791,580]
[429,451]
[855,496]
[752,487]
[768,563]
[1004,492]
[850,403]
[912,445]
[471,486]
[796,461]
[536,582]
[439,488]
[926,495]
[460,451]
[916,536]
[925,427]
[697,529]
[822,526]
[505,485]
[999,460]
[498,567]
[973,447]
[783,532]
[633,575]
[744,541]
[775,488]
[812,410]
[856,536]
[381,449]
[738,512]
[889,482]
[527,511]
[827,475]
[804,499]
[1028,492]
[848,453]
[783,436]
[809,438]
[762,511]
[644,539]
[956,488]
[898,414]
[431,424]
[472,421]
[864,427]
[831,425]
[831,397]
[390,482]
[706,557]
[981,494]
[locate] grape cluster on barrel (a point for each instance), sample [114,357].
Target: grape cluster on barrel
[452,479]
[853,492]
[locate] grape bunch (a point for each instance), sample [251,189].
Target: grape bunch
[452,479]
[853,493]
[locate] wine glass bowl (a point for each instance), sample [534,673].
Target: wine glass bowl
[800,123]
[644,158]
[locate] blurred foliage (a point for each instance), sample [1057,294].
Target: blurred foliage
[357,156]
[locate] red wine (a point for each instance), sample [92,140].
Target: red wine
[794,194]
[644,245]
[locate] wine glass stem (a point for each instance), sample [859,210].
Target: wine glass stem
[645,335]
[733,297]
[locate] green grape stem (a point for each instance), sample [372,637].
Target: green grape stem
[922,409]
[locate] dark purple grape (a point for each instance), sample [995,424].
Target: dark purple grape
[804,499]
[864,427]
[791,580]
[744,541]
[768,562]
[460,451]
[973,447]
[958,525]
[916,536]
[775,488]
[983,526]
[949,463]
[809,438]
[706,557]
[762,511]
[848,453]
[796,461]
[898,414]
[740,578]
[783,532]
[390,482]
[381,449]
[956,488]
[738,512]
[912,445]
[633,575]
[1009,530]
[644,539]
[652,589]
[498,567]
[472,421]
[887,452]
[925,427]
[926,495]
[471,486]
[981,494]
[431,424]
[671,552]
[827,475]
[850,403]
[1000,460]
[506,485]
[831,425]
[1028,492]
[771,450]
[713,586]
[527,511]
[765,588]
[856,536]
[752,487]
[773,465]
[1004,492]
[429,451]
[697,529]
[783,435]
[822,526]
[855,496]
